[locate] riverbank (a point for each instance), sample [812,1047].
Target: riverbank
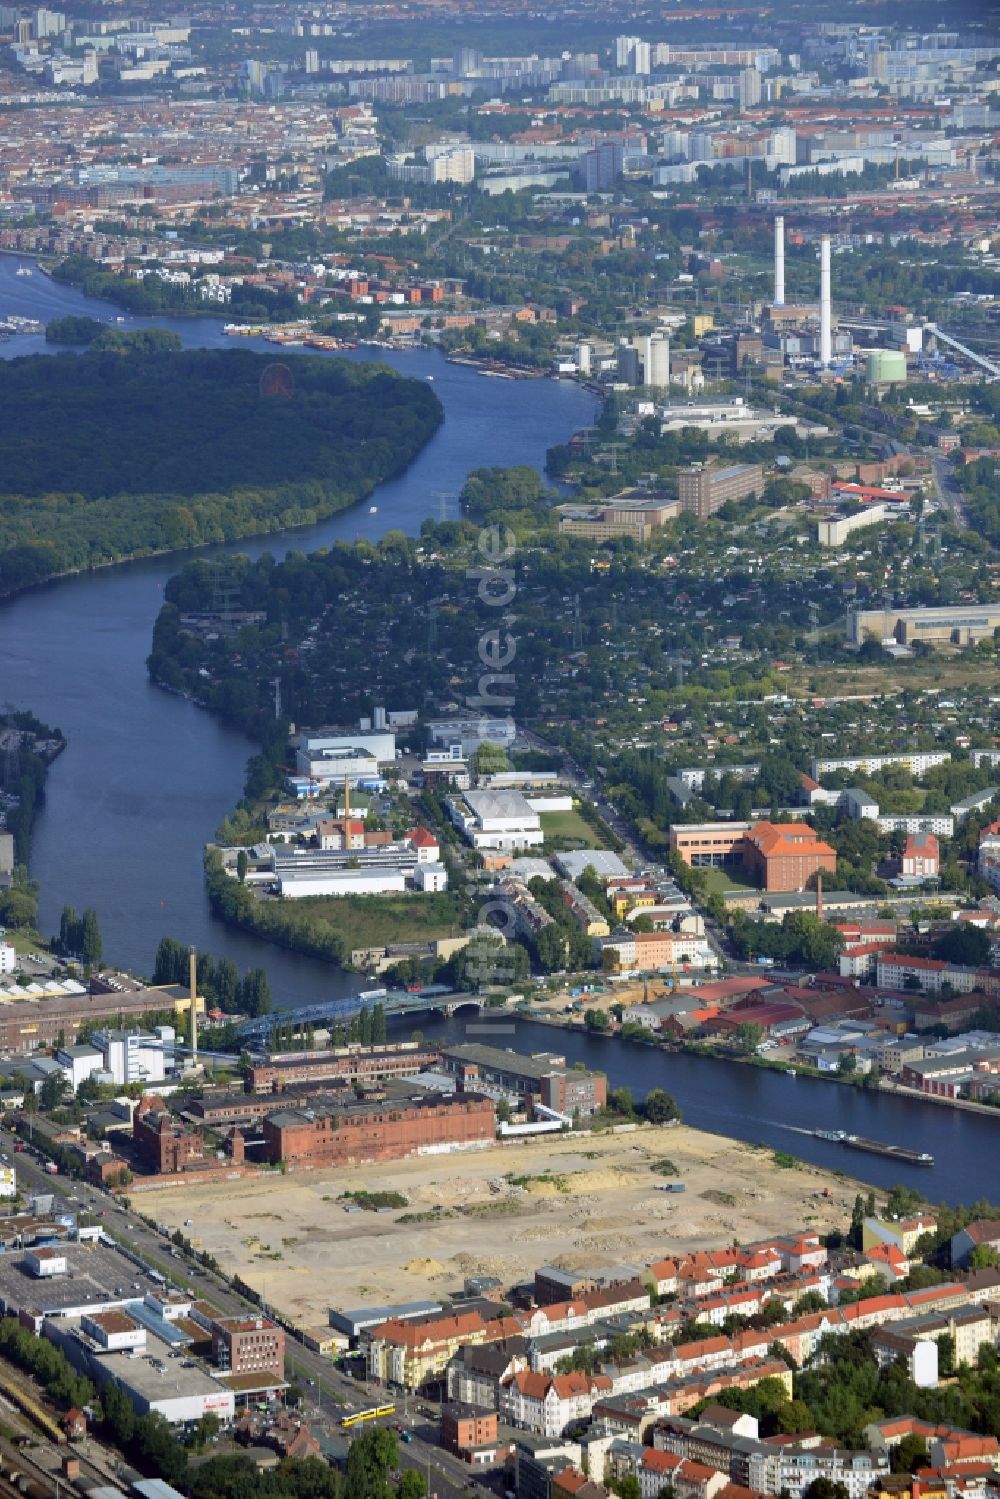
[577,1200]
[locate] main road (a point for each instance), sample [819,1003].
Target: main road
[328,1393]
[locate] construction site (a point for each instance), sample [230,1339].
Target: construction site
[571,1200]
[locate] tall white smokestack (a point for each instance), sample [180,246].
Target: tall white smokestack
[825,336]
[779,261]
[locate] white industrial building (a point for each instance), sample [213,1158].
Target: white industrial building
[738,421]
[326,766]
[501,820]
[8,957]
[79,1063]
[391,870]
[834,530]
[135,1056]
[298,884]
[155,1380]
[470,733]
[379,744]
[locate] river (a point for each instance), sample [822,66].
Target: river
[147,777]
[772,1108]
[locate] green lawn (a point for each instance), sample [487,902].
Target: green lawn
[375,920]
[568,830]
[721,881]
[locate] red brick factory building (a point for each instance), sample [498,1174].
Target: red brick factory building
[379,1130]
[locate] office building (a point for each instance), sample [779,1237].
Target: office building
[249,1345]
[624,516]
[703,490]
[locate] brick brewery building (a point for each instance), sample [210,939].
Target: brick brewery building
[378,1130]
[163,1143]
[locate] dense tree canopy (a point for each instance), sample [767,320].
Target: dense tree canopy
[162,449]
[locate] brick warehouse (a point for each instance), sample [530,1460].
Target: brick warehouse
[381,1130]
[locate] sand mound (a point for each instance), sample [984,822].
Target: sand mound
[424,1267]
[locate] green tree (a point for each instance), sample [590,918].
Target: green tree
[226,983]
[747,1036]
[52,1091]
[964,944]
[826,1488]
[660,1106]
[91,946]
[910,1454]
[69,931]
[242,863]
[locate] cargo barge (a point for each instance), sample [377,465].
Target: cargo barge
[876,1147]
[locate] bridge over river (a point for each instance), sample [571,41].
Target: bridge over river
[394,1002]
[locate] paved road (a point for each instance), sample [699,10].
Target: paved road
[328,1392]
[948,493]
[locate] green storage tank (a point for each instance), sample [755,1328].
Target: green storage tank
[885,367]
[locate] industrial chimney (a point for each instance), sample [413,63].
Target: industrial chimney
[193,984]
[825,337]
[779,261]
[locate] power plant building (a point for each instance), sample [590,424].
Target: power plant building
[885,367]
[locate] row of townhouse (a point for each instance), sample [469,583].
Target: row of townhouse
[747,1298]
[410,1354]
[733,1448]
[705,1273]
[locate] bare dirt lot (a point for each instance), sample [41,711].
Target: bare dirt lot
[573,1200]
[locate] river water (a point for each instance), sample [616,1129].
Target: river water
[147,777]
[772,1108]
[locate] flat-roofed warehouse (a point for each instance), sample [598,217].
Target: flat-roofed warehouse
[160,1379]
[543,1077]
[953,624]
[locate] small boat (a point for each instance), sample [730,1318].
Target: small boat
[837,1135]
[430,377]
[373,510]
[23,270]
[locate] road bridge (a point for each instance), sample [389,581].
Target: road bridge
[393,1002]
